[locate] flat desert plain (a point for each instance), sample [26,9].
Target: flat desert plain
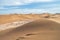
[39,29]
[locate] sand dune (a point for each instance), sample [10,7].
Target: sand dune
[17,17]
[37,30]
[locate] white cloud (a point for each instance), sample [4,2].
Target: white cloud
[21,2]
[17,3]
[38,0]
[26,11]
[32,1]
[52,10]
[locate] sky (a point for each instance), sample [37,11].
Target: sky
[29,6]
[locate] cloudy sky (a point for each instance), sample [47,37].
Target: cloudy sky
[29,6]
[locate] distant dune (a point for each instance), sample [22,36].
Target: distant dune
[16,17]
[41,29]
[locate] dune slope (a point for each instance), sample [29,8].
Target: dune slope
[37,30]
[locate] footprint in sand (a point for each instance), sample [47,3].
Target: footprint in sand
[20,38]
[29,34]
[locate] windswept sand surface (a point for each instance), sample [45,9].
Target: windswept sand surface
[55,19]
[17,17]
[37,30]
[7,27]
[13,24]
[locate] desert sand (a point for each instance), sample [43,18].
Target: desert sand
[41,29]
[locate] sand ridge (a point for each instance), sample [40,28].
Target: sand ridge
[37,30]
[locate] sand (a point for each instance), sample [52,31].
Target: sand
[37,30]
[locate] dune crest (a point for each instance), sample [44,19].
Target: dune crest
[40,30]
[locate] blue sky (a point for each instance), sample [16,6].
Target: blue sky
[29,6]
